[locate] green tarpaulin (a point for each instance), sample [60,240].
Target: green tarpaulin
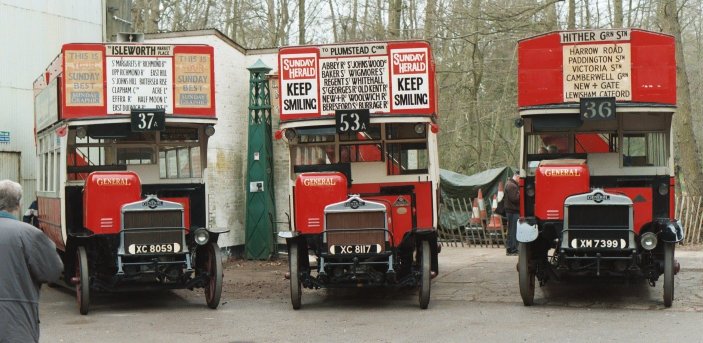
[458,192]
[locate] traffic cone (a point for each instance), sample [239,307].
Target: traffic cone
[495,222]
[501,190]
[494,203]
[475,213]
[481,205]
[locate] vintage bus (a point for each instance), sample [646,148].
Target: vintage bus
[360,121]
[121,133]
[597,177]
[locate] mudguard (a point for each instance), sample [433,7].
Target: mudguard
[526,230]
[671,231]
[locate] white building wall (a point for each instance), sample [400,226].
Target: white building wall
[227,149]
[33,33]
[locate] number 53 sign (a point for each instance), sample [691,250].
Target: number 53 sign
[598,108]
[351,120]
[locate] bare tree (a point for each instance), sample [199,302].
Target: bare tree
[301,22]
[430,18]
[689,159]
[334,21]
[617,13]
[395,9]
[571,19]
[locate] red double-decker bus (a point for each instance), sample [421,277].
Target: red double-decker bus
[360,123]
[121,133]
[597,173]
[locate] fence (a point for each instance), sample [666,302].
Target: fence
[463,225]
[688,212]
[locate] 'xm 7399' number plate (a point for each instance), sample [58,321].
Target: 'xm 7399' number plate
[355,249]
[165,248]
[579,243]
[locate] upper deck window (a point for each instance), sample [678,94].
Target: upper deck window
[644,149]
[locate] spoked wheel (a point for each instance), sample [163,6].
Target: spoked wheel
[526,274]
[294,265]
[213,268]
[82,279]
[425,282]
[668,274]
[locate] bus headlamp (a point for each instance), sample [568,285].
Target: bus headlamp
[420,128]
[663,189]
[530,191]
[648,240]
[81,132]
[201,236]
[209,130]
[290,134]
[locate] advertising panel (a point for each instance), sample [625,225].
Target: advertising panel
[381,77]
[116,78]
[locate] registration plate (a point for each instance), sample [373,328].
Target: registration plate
[355,249]
[136,249]
[580,243]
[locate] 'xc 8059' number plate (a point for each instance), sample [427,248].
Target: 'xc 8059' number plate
[165,248]
[579,243]
[355,249]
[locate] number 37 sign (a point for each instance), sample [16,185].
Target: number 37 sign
[148,120]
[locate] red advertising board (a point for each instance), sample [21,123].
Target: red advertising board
[628,64]
[97,80]
[382,77]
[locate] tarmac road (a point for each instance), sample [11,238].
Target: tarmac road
[475,298]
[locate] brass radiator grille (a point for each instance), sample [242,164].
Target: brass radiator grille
[361,221]
[147,219]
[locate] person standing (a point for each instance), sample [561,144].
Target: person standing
[512,211]
[28,259]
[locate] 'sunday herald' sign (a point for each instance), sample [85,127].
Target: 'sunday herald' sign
[388,78]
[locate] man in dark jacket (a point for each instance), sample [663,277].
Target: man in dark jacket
[512,211]
[27,259]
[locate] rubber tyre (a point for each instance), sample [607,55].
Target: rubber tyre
[668,274]
[425,280]
[526,274]
[213,267]
[294,268]
[83,286]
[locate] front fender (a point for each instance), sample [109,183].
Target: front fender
[670,231]
[527,230]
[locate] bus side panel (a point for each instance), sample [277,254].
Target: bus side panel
[50,219]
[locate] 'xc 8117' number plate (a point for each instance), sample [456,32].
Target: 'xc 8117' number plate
[355,249]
